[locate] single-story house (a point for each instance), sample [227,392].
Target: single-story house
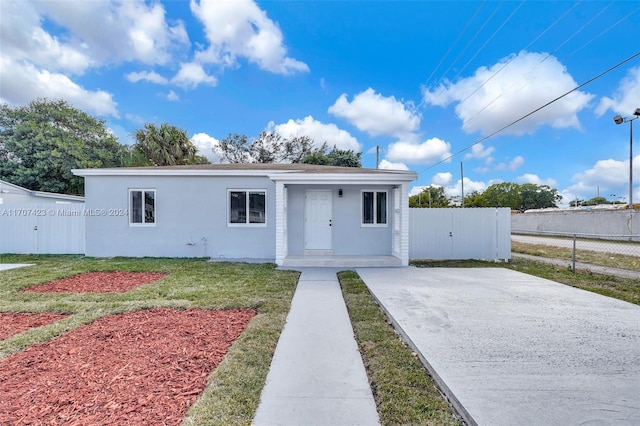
[290,214]
[14,194]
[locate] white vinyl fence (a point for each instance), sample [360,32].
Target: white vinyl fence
[453,233]
[42,228]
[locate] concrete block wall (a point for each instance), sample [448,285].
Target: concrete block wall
[594,222]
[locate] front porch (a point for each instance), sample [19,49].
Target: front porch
[333,261]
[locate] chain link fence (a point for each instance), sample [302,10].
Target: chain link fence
[614,251]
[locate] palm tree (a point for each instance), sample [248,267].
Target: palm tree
[166,146]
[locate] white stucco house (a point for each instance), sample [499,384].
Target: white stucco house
[14,194]
[290,214]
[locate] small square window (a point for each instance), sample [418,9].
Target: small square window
[247,207]
[142,206]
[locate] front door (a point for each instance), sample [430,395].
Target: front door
[317,219]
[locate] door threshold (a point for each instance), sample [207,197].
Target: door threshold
[318,252]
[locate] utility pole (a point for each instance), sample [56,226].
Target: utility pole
[462,183]
[377,155]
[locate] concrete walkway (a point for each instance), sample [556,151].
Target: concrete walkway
[7,266]
[513,349]
[317,376]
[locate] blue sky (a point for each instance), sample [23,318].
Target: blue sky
[422,80]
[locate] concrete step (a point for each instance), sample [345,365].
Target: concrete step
[324,261]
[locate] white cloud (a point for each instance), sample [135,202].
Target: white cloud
[318,131]
[609,173]
[478,151]
[150,76]
[429,151]
[135,118]
[455,189]
[442,179]
[376,114]
[23,39]
[118,31]
[388,165]
[451,188]
[241,29]
[21,83]
[512,165]
[37,62]
[191,75]
[207,146]
[608,177]
[626,98]
[173,96]
[529,81]
[533,178]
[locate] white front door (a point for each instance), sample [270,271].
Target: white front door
[317,219]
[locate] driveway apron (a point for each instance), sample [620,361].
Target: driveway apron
[513,349]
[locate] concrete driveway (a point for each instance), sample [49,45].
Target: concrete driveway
[513,349]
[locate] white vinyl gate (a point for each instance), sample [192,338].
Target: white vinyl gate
[42,228]
[453,233]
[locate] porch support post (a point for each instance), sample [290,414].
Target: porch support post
[281,223]
[404,223]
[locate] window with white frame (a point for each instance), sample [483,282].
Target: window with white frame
[142,206]
[247,207]
[374,208]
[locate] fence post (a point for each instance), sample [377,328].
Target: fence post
[574,253]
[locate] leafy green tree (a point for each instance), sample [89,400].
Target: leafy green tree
[505,194]
[538,196]
[166,145]
[430,197]
[520,197]
[271,147]
[300,147]
[319,158]
[41,142]
[474,199]
[595,201]
[345,158]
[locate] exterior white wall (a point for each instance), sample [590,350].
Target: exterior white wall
[13,194]
[594,222]
[475,233]
[191,218]
[349,236]
[42,228]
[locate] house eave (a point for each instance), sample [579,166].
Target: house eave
[284,176]
[342,179]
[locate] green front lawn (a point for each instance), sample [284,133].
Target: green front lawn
[234,388]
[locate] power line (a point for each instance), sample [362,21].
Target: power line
[602,33]
[489,39]
[456,40]
[619,64]
[471,41]
[524,48]
[535,66]
[578,31]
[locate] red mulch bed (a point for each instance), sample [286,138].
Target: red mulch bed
[12,323]
[137,368]
[98,282]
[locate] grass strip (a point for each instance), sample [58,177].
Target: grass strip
[613,260]
[405,394]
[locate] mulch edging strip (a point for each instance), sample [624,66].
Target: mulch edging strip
[12,323]
[143,367]
[98,282]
